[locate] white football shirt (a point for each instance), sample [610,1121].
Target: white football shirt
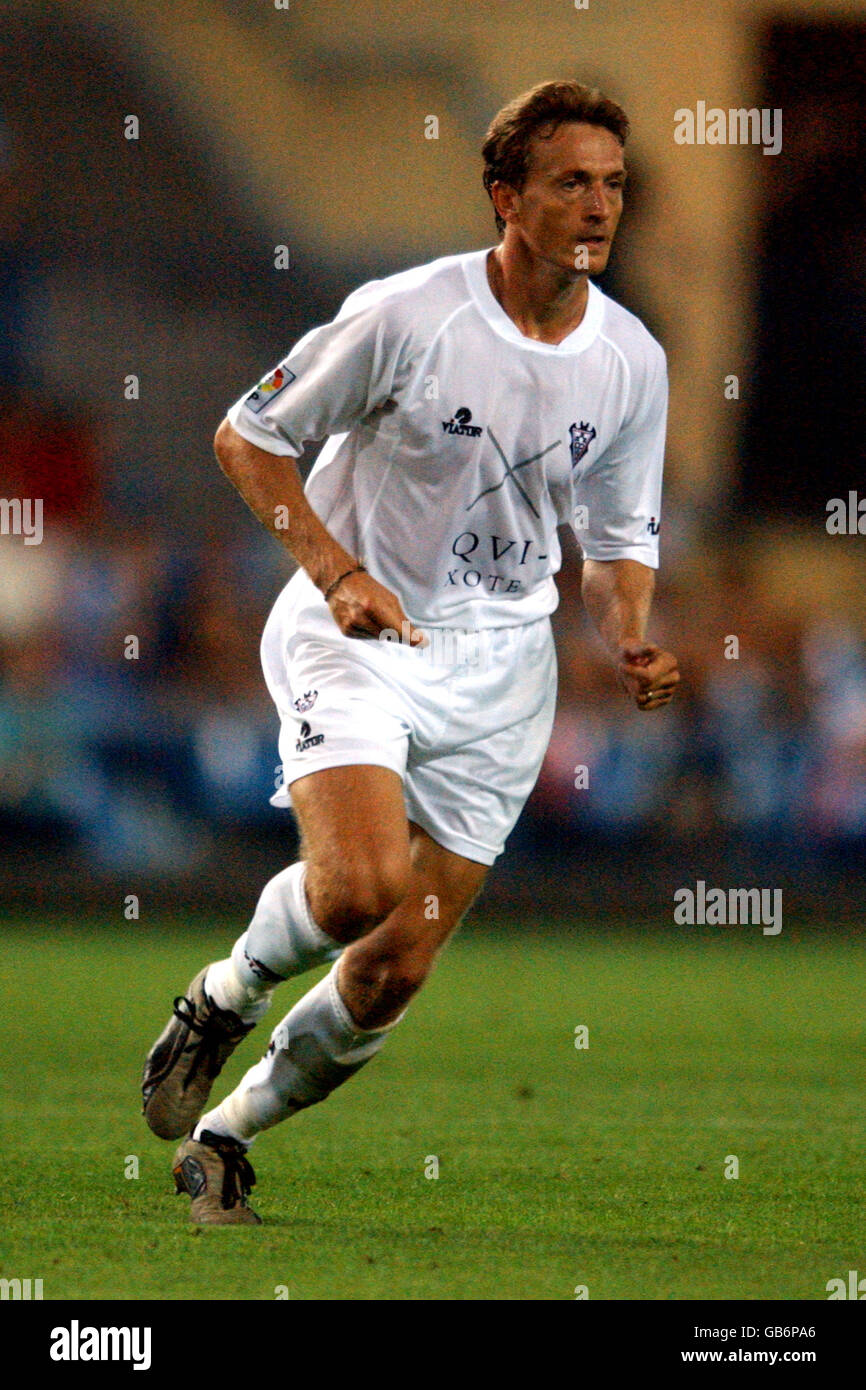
[457,444]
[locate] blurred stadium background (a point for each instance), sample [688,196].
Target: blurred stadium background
[305,127]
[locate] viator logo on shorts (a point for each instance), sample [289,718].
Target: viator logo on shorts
[305,741]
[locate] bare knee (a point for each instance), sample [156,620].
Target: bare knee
[379,984]
[350,899]
[401,976]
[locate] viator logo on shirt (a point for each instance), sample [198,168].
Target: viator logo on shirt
[459,424]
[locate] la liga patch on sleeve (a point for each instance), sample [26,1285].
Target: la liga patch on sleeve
[268,389]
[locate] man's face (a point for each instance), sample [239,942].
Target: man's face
[572,197]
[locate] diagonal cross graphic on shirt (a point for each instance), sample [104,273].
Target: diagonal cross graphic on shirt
[510,470]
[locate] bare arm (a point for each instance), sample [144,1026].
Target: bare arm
[271,487]
[617,595]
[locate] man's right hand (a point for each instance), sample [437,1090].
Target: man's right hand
[362,607]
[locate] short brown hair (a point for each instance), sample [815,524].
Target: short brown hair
[541,111]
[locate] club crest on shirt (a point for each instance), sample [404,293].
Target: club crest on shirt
[305,701]
[268,388]
[581,437]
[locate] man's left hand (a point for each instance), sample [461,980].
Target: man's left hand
[648,675]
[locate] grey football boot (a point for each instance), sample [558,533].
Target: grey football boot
[216,1173]
[186,1059]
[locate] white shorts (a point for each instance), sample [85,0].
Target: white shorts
[465,723]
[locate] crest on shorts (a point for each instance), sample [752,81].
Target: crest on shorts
[305,701]
[581,437]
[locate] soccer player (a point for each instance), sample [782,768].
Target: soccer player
[471,406]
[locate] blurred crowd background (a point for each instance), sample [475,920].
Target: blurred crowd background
[137,741]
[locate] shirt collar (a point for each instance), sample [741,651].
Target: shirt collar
[475,270]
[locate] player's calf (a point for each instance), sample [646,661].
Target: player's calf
[380,974]
[379,977]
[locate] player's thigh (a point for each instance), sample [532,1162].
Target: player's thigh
[355,839]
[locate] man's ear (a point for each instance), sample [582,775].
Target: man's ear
[506,199]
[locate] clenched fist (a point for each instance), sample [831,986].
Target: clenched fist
[647,674]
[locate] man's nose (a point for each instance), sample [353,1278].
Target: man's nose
[596,199]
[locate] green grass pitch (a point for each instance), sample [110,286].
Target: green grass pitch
[558,1167]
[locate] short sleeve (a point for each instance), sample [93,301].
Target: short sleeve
[618,499]
[334,376]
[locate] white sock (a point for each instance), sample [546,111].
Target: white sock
[316,1048]
[282,940]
